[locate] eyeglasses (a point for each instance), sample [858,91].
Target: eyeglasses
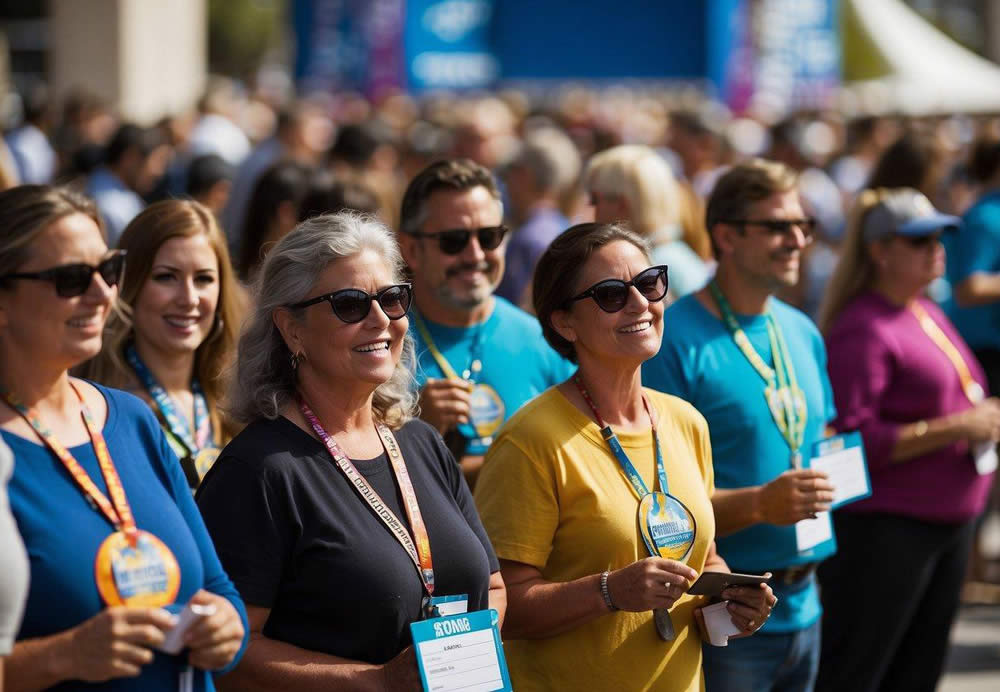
[921,242]
[611,295]
[73,280]
[782,227]
[352,305]
[453,241]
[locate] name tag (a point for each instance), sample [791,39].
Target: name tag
[809,533]
[456,604]
[842,458]
[985,456]
[461,652]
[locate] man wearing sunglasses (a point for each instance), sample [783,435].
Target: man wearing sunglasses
[756,369]
[479,357]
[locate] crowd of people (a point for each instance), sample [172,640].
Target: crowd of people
[314,371]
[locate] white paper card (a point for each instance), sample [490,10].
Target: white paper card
[847,472]
[985,455]
[809,533]
[719,623]
[461,652]
[173,642]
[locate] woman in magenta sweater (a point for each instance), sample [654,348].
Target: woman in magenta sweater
[906,380]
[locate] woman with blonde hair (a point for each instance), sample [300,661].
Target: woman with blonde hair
[904,378]
[175,333]
[633,184]
[305,505]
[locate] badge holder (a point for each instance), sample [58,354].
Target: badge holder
[668,529]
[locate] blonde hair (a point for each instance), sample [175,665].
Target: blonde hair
[265,380]
[856,271]
[143,238]
[644,180]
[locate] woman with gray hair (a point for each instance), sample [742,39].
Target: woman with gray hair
[297,502]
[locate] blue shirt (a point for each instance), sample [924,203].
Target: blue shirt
[117,203]
[699,362]
[517,365]
[62,533]
[975,247]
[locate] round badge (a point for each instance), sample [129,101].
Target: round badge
[486,410]
[145,575]
[668,528]
[206,457]
[974,391]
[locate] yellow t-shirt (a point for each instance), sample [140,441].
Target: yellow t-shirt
[552,495]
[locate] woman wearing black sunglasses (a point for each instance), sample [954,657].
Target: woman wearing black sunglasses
[596,494]
[297,502]
[904,377]
[114,538]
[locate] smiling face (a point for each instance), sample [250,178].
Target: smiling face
[769,259]
[909,264]
[464,281]
[337,354]
[51,331]
[629,336]
[174,311]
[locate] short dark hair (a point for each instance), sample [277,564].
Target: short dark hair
[285,181]
[356,144]
[327,195]
[129,137]
[743,185]
[205,171]
[562,263]
[449,174]
[906,162]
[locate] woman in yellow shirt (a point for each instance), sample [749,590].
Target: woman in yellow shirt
[559,496]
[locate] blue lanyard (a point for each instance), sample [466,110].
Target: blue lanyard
[176,425]
[628,467]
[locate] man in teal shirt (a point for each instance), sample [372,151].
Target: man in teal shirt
[479,358]
[756,369]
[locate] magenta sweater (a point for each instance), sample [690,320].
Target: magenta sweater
[886,372]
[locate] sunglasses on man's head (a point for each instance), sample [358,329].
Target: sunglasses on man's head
[454,241]
[782,227]
[611,295]
[352,305]
[73,280]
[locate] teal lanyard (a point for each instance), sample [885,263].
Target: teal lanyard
[782,386]
[177,426]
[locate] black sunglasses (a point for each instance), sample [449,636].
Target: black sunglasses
[611,295]
[352,305]
[920,242]
[454,241]
[73,280]
[782,227]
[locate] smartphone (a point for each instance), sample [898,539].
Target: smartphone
[714,583]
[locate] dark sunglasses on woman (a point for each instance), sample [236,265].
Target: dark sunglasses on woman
[611,295]
[921,242]
[352,305]
[73,280]
[454,241]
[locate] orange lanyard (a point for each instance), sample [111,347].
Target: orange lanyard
[119,513]
[418,547]
[973,390]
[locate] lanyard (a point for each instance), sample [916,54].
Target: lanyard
[973,390]
[475,364]
[419,549]
[119,513]
[628,467]
[779,379]
[177,426]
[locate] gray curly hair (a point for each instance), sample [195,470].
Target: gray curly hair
[265,381]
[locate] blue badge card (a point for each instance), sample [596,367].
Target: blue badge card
[461,652]
[842,458]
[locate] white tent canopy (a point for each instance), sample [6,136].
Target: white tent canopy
[928,72]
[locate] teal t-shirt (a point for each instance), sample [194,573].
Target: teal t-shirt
[516,364]
[699,362]
[975,247]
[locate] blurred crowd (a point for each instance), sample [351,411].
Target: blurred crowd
[263,162]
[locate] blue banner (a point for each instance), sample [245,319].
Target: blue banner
[448,44]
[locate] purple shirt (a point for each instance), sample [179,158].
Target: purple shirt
[886,372]
[525,247]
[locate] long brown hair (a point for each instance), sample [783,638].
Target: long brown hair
[142,238]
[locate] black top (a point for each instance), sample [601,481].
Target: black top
[295,536]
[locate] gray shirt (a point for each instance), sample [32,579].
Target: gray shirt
[13,561]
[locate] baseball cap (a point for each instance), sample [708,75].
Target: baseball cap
[906,212]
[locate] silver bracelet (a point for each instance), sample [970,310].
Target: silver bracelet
[605,592]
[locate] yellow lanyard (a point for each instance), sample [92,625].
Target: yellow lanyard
[973,390]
